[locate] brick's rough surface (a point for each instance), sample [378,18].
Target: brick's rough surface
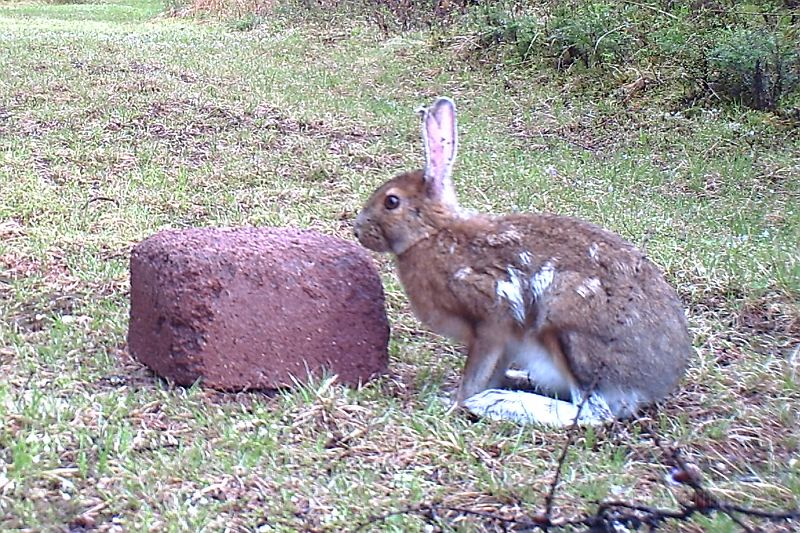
[250,308]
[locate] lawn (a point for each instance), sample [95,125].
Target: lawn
[117,121]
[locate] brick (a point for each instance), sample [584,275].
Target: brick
[251,308]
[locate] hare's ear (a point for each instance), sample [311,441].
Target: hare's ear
[440,134]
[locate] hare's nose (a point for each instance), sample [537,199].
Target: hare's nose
[357,223]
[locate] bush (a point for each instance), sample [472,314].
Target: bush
[501,24]
[756,67]
[736,50]
[595,33]
[391,16]
[248,22]
[240,15]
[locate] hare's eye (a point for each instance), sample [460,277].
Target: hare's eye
[391,202]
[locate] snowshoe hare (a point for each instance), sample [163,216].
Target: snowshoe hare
[569,308]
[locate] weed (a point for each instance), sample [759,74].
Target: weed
[756,67]
[501,24]
[595,33]
[247,22]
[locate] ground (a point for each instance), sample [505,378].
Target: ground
[117,121]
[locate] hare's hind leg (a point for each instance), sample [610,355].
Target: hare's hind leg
[522,407]
[540,366]
[543,369]
[594,409]
[530,408]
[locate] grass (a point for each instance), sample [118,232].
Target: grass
[116,122]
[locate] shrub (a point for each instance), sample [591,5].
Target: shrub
[734,49]
[590,32]
[757,67]
[502,24]
[241,14]
[391,16]
[246,22]
[595,33]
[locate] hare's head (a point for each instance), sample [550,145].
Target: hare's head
[410,207]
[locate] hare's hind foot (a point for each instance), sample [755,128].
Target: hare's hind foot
[529,408]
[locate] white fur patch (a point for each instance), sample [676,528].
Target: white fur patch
[511,291]
[542,279]
[589,287]
[623,403]
[519,376]
[621,266]
[532,358]
[596,410]
[462,273]
[504,238]
[525,258]
[593,251]
[522,408]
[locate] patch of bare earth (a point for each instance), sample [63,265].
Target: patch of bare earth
[193,128]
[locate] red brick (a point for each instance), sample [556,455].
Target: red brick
[250,308]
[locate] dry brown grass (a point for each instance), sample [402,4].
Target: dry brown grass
[228,8]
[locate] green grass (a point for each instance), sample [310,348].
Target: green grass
[116,122]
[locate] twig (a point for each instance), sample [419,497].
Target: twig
[551,495]
[101,199]
[606,34]
[705,502]
[703,499]
[767,515]
[415,509]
